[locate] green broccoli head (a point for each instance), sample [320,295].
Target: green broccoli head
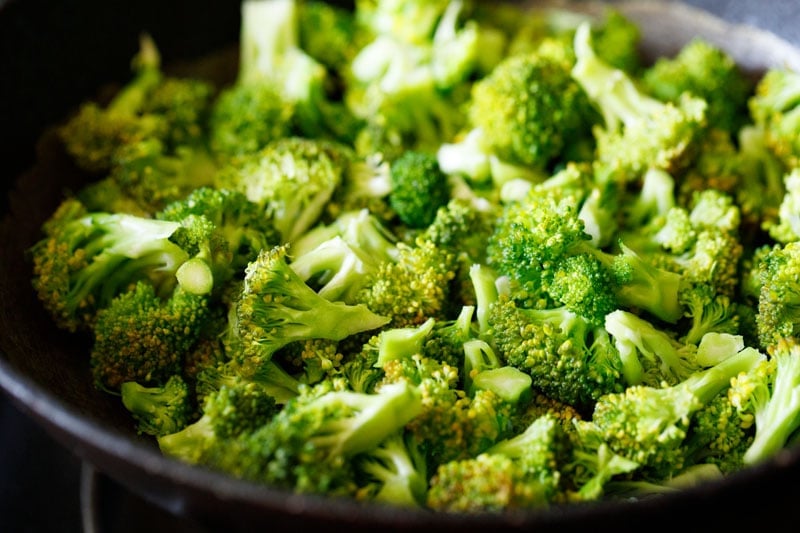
[292,179]
[774,108]
[246,117]
[143,338]
[276,307]
[529,109]
[563,353]
[649,425]
[86,259]
[639,131]
[418,188]
[161,409]
[705,71]
[778,293]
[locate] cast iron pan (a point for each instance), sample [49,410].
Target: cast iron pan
[54,55]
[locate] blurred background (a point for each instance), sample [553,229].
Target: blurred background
[40,481]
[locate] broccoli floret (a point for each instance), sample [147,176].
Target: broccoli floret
[359,229]
[761,191]
[563,353]
[777,280]
[312,360]
[276,307]
[153,177]
[292,179]
[308,445]
[649,425]
[85,259]
[418,188]
[95,132]
[246,117]
[708,72]
[772,397]
[650,355]
[786,227]
[616,40]
[152,106]
[720,433]
[330,34]
[534,241]
[233,410]
[774,107]
[185,104]
[158,410]
[336,269]
[521,471]
[412,288]
[395,471]
[453,423]
[639,131]
[270,52]
[142,337]
[366,184]
[238,221]
[529,109]
[487,373]
[270,376]
[407,88]
[448,337]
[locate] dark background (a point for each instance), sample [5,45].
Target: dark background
[39,479]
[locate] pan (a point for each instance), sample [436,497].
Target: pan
[55,55]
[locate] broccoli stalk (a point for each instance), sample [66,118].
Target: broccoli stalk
[158,410]
[276,307]
[776,405]
[648,425]
[85,259]
[639,131]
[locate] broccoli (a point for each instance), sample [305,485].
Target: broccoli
[412,288]
[407,88]
[233,410]
[774,108]
[151,106]
[418,188]
[85,259]
[158,410]
[650,355]
[271,53]
[649,424]
[142,337]
[565,355]
[246,117]
[785,227]
[452,423]
[771,395]
[521,471]
[638,131]
[240,223]
[153,177]
[707,72]
[447,256]
[330,34]
[396,473]
[291,178]
[529,109]
[270,377]
[305,446]
[93,135]
[276,307]
[539,242]
[777,282]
